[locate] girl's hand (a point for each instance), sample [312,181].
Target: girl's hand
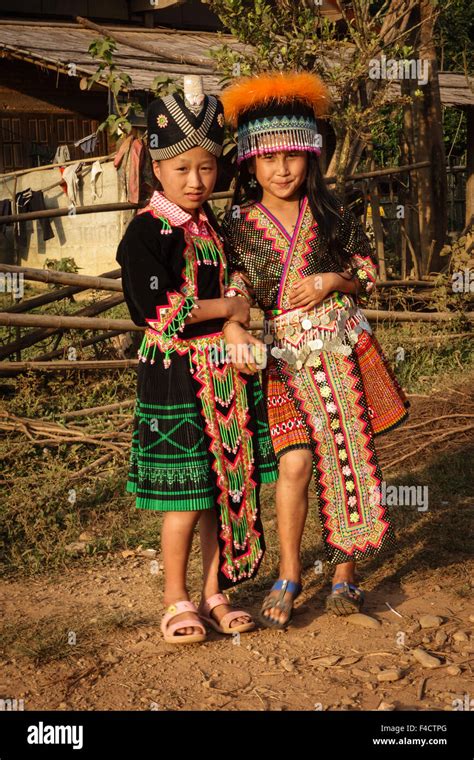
[247,354]
[239,309]
[310,291]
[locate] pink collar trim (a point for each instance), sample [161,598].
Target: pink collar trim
[177,216]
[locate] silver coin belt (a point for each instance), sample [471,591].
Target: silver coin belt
[298,337]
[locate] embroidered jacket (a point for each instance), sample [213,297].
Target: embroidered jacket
[264,260]
[169,262]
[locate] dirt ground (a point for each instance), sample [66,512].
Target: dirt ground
[89,638]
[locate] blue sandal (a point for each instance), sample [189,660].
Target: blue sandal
[345,602]
[284,586]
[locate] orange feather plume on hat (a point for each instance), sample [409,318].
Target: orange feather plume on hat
[251,92]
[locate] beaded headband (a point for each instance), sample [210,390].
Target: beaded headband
[276,111]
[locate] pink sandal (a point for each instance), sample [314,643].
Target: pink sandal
[223,626]
[168,630]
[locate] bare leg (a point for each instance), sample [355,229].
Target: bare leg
[176,540]
[210,564]
[345,571]
[294,477]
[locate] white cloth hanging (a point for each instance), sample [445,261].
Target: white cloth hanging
[62,155]
[96,172]
[71,178]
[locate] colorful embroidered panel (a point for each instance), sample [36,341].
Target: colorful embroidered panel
[330,401]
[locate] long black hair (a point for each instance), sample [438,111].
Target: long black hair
[324,204]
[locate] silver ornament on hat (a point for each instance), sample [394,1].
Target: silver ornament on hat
[194,93]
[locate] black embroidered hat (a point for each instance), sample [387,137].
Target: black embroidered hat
[177,124]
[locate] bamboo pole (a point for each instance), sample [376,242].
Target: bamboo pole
[142,30]
[82,344]
[51,213]
[68,278]
[12,368]
[376,217]
[93,410]
[381,172]
[19,172]
[66,323]
[54,295]
[125,325]
[44,320]
[15,368]
[415,316]
[469,111]
[84,282]
[17,261]
[45,62]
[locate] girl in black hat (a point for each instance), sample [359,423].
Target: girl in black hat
[201,444]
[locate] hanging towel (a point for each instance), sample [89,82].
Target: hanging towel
[71,178]
[96,172]
[134,171]
[121,164]
[128,158]
[62,155]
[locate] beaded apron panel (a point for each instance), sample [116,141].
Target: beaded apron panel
[225,410]
[331,402]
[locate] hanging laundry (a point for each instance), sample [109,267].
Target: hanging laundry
[5,210]
[87,144]
[62,155]
[134,171]
[71,178]
[120,163]
[96,172]
[128,160]
[32,200]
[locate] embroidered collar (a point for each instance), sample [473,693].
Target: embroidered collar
[177,216]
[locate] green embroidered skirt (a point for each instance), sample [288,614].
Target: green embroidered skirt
[201,441]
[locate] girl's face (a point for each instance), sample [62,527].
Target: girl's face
[280,174]
[188,179]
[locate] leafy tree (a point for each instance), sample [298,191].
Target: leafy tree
[282,34]
[107,72]
[454,36]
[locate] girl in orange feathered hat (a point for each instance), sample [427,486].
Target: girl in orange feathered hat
[297,252]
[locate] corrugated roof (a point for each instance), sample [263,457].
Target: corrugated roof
[58,44]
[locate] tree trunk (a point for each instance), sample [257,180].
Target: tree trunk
[433,184]
[410,197]
[470,164]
